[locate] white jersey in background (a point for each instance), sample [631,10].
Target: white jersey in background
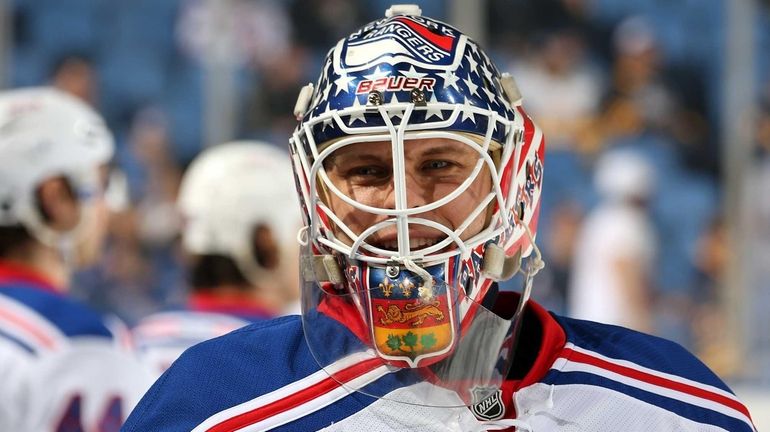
[61,367]
[162,337]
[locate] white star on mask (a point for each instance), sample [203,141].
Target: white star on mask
[377,74]
[467,111]
[450,79]
[321,83]
[472,87]
[327,89]
[411,73]
[395,112]
[432,109]
[328,121]
[358,114]
[471,62]
[342,83]
[487,72]
[490,94]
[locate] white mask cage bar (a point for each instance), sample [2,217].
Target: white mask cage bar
[402,216]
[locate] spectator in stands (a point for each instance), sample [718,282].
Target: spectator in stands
[75,74]
[616,247]
[565,89]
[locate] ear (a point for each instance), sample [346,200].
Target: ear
[265,248]
[57,203]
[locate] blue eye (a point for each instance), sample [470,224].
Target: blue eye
[436,164]
[368,171]
[368,174]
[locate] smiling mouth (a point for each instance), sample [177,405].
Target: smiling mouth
[414,244]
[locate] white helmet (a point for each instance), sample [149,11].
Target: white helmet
[44,133]
[229,190]
[624,174]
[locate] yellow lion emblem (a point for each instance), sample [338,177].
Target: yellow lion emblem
[416,311]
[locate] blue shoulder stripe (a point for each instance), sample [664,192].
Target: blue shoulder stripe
[246,364]
[642,349]
[683,409]
[69,316]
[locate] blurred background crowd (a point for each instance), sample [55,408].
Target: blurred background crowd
[668,99]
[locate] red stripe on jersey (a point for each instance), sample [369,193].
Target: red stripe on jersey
[580,357]
[338,308]
[11,272]
[301,397]
[29,328]
[239,304]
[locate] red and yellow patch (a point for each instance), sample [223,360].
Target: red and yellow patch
[409,323]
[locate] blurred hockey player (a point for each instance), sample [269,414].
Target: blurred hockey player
[239,204]
[61,367]
[613,266]
[420,177]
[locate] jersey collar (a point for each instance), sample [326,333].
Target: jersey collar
[548,345]
[241,305]
[13,272]
[552,339]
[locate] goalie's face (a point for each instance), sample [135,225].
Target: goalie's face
[433,169]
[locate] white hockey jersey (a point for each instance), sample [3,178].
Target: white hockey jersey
[571,376]
[61,366]
[162,337]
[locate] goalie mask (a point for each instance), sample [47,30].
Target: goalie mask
[419,174]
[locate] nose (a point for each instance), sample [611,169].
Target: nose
[415,192]
[416,195]
[419,191]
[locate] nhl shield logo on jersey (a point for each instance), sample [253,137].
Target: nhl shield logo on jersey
[487,406]
[407,324]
